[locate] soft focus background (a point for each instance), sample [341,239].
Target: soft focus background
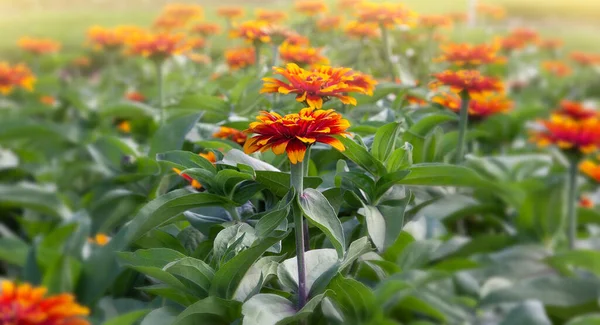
[577,22]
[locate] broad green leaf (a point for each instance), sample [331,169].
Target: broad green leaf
[234,157]
[355,301]
[438,174]
[127,319]
[186,159]
[375,226]
[388,180]
[279,182]
[260,273]
[589,319]
[211,310]
[320,213]
[385,141]
[527,313]
[35,197]
[160,316]
[568,262]
[62,275]
[13,250]
[193,270]
[266,309]
[172,133]
[229,276]
[361,157]
[317,262]
[401,158]
[127,110]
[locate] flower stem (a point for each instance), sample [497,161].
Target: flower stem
[161,91]
[297,180]
[462,125]
[257,56]
[387,51]
[572,202]
[275,55]
[306,164]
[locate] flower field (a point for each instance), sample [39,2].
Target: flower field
[342,162]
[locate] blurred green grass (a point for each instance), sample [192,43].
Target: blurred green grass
[575,21]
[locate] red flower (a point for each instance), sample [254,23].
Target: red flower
[39,46]
[468,80]
[576,110]
[230,134]
[301,54]
[568,133]
[386,13]
[294,133]
[480,105]
[240,58]
[310,7]
[472,55]
[557,68]
[206,29]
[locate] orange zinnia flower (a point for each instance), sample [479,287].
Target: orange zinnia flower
[82,61]
[387,13]
[576,110]
[48,100]
[196,43]
[177,15]
[568,133]
[480,105]
[550,44]
[135,96]
[318,85]
[230,12]
[26,305]
[415,100]
[557,68]
[158,47]
[329,23]
[349,4]
[492,11]
[230,134]
[310,7]
[294,38]
[39,46]
[294,133]
[124,126]
[102,38]
[360,30]
[256,31]
[585,59]
[471,55]
[519,38]
[590,169]
[194,183]
[272,16]
[468,80]
[435,21]
[99,239]
[240,58]
[302,55]
[198,58]
[206,29]
[15,76]
[586,202]
[210,156]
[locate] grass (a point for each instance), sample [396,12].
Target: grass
[575,21]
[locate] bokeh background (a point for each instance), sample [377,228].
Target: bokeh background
[577,22]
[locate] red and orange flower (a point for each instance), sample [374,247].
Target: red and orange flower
[48,100]
[386,13]
[471,81]
[240,58]
[556,68]
[576,110]
[464,54]
[310,7]
[17,76]
[586,202]
[26,305]
[256,31]
[272,16]
[158,47]
[314,87]
[38,46]
[568,133]
[294,133]
[99,239]
[230,13]
[356,29]
[101,38]
[435,21]
[481,105]
[135,96]
[329,23]
[590,169]
[178,15]
[551,43]
[302,54]
[205,29]
[232,134]
[585,59]
[519,38]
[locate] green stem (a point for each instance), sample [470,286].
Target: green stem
[387,51]
[462,125]
[275,55]
[257,56]
[233,211]
[306,164]
[572,202]
[297,182]
[161,91]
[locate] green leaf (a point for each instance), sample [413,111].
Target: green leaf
[568,262]
[160,316]
[13,250]
[279,182]
[317,262]
[229,276]
[62,275]
[128,318]
[439,174]
[550,290]
[355,301]
[35,197]
[127,110]
[234,157]
[401,158]
[385,141]
[388,180]
[590,319]
[361,157]
[416,135]
[211,310]
[267,309]
[193,270]
[186,159]
[172,133]
[320,213]
[527,313]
